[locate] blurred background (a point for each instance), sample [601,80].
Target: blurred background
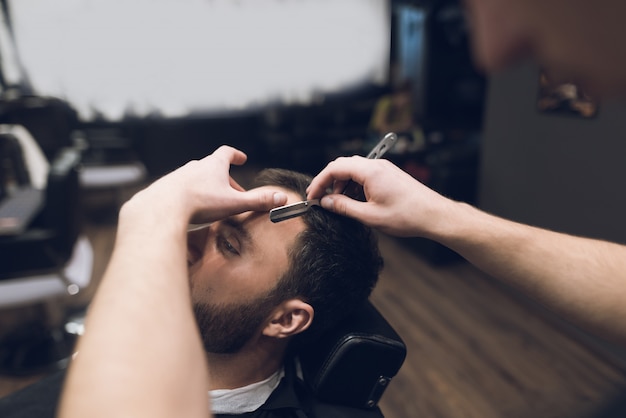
[99,98]
[291,83]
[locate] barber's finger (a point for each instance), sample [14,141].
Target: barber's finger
[230,154]
[239,202]
[324,180]
[342,169]
[263,200]
[336,187]
[339,186]
[343,205]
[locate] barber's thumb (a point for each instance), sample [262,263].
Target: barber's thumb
[265,199]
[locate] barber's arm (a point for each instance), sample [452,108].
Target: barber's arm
[141,354]
[582,279]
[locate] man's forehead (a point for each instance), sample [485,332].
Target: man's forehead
[292,196]
[259,226]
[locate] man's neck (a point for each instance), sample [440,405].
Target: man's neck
[250,365]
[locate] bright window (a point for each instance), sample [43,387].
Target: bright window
[175,57]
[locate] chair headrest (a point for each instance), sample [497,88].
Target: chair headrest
[353,363]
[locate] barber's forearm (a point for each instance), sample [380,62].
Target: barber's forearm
[582,279]
[141,354]
[141,318]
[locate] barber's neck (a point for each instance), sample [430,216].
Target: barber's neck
[256,361]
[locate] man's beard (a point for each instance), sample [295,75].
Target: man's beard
[225,329]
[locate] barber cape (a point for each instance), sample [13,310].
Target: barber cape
[291,398]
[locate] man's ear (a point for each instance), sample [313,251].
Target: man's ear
[290,318]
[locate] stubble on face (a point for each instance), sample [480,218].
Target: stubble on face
[225,329]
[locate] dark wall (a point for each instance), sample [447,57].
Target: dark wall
[559,172]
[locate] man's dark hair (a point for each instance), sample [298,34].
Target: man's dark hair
[335,262]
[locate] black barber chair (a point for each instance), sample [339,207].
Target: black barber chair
[353,363]
[48,241]
[44,262]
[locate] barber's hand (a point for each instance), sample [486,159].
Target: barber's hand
[203,191]
[396,203]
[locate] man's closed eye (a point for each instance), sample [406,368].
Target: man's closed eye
[226,247]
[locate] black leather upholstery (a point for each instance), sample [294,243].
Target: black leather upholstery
[353,363]
[49,241]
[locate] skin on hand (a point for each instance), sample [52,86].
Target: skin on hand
[580,279]
[146,288]
[396,203]
[203,191]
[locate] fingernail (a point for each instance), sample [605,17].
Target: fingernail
[327,203]
[279,198]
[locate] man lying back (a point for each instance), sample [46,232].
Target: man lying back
[257,291]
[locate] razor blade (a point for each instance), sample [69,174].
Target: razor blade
[352,189]
[291,211]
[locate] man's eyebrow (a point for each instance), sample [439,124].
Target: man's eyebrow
[242,232]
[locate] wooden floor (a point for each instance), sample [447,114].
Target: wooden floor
[474,348]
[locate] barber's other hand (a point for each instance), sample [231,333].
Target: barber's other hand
[396,203]
[203,191]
